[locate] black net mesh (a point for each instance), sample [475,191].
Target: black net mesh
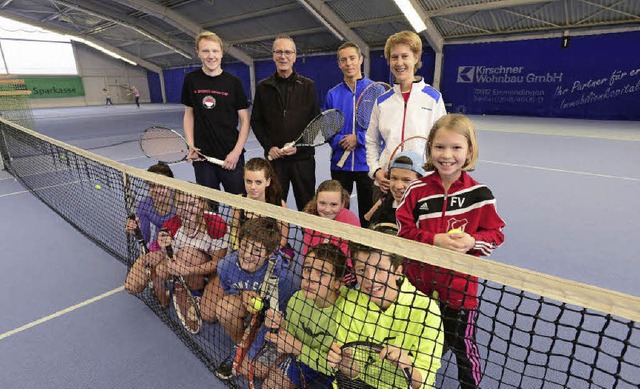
[252,276]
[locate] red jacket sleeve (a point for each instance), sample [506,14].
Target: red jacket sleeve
[172,225]
[489,234]
[216,226]
[407,225]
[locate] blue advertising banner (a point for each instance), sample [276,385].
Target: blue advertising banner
[596,77]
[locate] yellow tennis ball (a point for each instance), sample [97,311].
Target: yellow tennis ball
[98,186]
[455,231]
[258,304]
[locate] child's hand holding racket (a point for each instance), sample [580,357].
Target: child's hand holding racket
[273,319]
[397,357]
[131,225]
[342,360]
[177,268]
[284,342]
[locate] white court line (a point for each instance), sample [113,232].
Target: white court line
[43,188]
[631,137]
[14,193]
[561,170]
[60,313]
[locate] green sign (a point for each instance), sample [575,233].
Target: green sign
[54,87]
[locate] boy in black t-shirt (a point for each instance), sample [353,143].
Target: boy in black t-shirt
[214,101]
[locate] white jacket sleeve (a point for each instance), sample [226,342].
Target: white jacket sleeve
[440,110]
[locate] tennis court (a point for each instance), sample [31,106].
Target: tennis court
[116,276]
[566,188]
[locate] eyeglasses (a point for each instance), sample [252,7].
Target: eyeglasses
[288,53]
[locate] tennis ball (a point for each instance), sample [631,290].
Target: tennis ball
[98,186]
[63,156]
[258,304]
[455,231]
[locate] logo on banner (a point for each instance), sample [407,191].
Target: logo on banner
[465,73]
[209,102]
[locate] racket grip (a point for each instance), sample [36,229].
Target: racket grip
[215,161]
[343,159]
[407,375]
[286,147]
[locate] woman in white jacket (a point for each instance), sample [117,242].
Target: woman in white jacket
[409,109]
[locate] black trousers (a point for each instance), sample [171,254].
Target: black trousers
[301,174]
[211,175]
[364,186]
[460,337]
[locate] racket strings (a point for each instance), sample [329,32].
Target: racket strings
[367,101]
[322,128]
[163,144]
[417,144]
[366,360]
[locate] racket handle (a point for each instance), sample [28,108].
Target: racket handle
[343,159]
[169,249]
[286,147]
[215,161]
[407,375]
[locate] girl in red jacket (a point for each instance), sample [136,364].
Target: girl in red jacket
[449,209]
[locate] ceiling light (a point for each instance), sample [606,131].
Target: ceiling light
[102,49]
[411,14]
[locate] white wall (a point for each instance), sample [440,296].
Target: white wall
[101,71]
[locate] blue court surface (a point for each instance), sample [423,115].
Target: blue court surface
[567,190]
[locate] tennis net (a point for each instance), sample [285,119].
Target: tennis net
[533,330]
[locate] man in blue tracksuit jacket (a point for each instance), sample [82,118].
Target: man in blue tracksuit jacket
[351,137]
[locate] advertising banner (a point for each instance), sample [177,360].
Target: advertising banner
[596,77]
[54,87]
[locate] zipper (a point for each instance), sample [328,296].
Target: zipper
[353,125]
[445,202]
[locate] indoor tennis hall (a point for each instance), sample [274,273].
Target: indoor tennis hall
[551,87]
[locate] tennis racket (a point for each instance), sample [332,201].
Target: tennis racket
[267,353]
[414,143]
[166,145]
[364,106]
[319,131]
[251,330]
[186,305]
[365,360]
[144,250]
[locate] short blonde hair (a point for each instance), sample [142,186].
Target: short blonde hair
[408,38]
[210,36]
[459,124]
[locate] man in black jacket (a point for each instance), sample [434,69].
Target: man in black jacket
[283,105]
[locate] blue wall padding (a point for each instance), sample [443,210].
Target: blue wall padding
[153,79]
[596,77]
